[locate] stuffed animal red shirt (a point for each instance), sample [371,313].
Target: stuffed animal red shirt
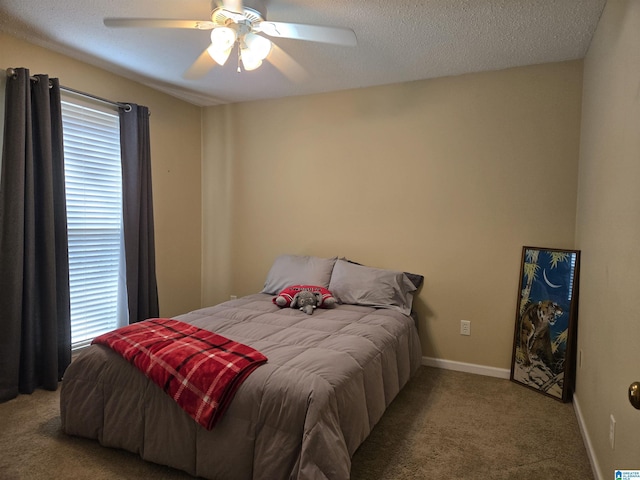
[285,297]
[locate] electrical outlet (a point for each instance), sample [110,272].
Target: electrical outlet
[465,327]
[612,431]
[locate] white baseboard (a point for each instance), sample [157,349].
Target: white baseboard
[595,467]
[466,367]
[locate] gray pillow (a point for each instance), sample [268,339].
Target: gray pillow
[288,270]
[373,287]
[414,278]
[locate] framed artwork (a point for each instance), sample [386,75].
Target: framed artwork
[544,341]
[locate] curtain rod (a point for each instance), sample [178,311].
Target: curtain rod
[127,108]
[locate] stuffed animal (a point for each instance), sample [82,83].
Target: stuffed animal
[323,297]
[306,301]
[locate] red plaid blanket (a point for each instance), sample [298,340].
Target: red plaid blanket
[199,369]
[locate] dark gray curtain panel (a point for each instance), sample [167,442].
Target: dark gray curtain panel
[139,244]
[35,325]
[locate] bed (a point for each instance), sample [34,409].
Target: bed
[301,415]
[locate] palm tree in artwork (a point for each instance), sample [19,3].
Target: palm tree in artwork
[529,270]
[557,257]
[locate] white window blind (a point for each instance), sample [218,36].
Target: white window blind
[93,182]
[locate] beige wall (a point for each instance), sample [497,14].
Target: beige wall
[608,230]
[448,178]
[175,128]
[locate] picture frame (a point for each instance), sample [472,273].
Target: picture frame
[545,335]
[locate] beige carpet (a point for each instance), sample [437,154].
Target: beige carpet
[444,424]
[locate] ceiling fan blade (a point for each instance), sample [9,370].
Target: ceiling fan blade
[233,6]
[198,69]
[157,23]
[286,64]
[312,33]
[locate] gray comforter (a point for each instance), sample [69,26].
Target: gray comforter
[302,415]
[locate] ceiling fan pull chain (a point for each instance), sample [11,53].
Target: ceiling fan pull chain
[238,69]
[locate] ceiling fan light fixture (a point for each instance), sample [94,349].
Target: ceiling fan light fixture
[222,41]
[249,60]
[219,56]
[257,45]
[223,38]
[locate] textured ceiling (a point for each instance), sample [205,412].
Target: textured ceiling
[398,41]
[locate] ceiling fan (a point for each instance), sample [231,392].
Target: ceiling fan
[234,24]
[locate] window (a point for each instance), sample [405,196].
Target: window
[93,179]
